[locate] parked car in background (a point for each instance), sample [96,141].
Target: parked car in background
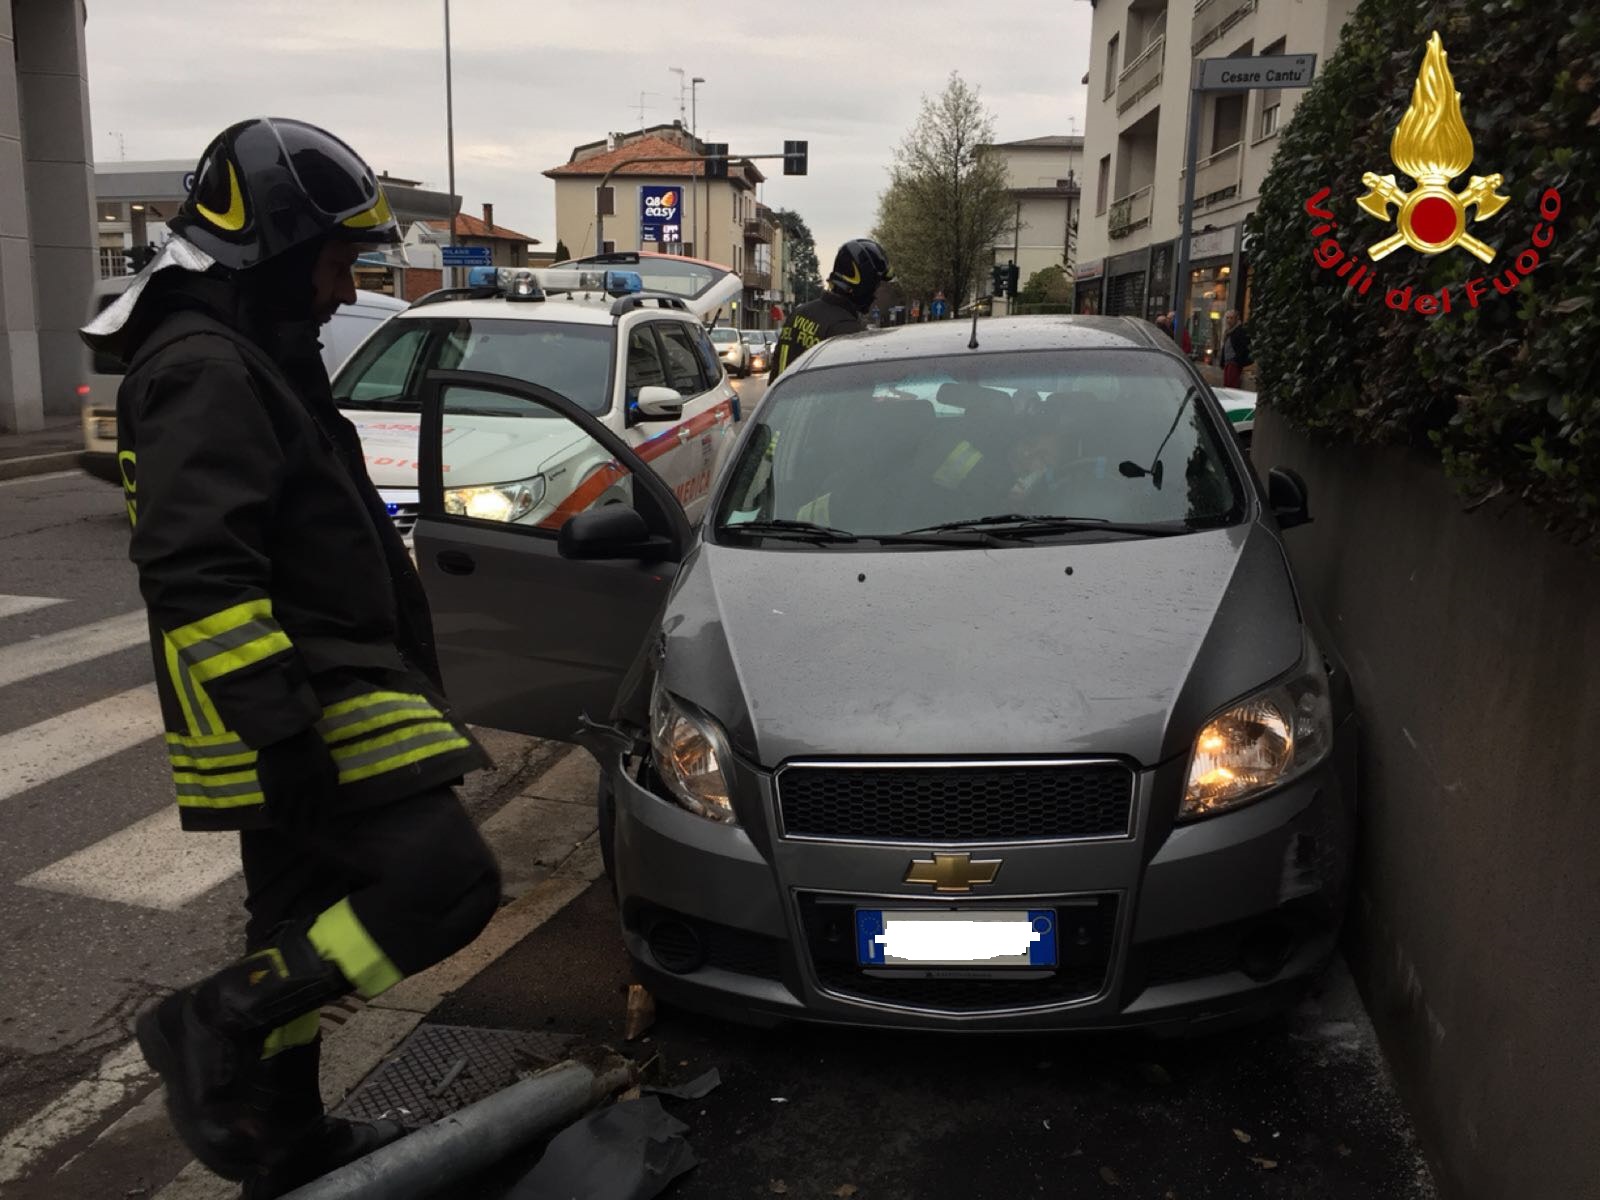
[983,697]
[102,375]
[759,342]
[1240,407]
[732,349]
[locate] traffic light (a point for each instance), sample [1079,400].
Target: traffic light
[717,167]
[794,157]
[1011,279]
[998,277]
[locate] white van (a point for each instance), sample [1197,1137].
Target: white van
[103,373]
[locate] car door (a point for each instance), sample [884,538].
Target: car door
[707,413]
[656,440]
[530,638]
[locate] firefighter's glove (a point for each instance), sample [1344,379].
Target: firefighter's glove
[299,780]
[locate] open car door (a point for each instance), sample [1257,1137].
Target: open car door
[547,578]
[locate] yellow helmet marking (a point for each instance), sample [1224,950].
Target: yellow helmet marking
[378,214]
[233,219]
[856,269]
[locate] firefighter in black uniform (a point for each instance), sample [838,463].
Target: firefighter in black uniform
[293,649]
[858,269]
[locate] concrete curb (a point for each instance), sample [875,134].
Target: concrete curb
[38,464]
[352,1051]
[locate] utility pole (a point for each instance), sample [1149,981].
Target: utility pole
[450,138]
[694,133]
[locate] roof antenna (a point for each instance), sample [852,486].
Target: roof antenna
[973,344]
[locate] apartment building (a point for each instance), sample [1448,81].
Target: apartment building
[720,220]
[1139,76]
[1044,175]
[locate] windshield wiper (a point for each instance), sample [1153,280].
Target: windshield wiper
[1025,525]
[782,527]
[827,534]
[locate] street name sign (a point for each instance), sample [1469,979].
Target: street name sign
[1262,71]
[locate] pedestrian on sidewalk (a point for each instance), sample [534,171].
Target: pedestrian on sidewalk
[1235,349]
[1170,324]
[293,649]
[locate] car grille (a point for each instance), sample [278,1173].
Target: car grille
[992,803]
[1084,950]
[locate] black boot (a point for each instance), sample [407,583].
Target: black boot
[205,1042]
[322,1143]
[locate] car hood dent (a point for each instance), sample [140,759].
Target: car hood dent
[980,652]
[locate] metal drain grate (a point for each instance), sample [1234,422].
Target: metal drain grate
[441,1068]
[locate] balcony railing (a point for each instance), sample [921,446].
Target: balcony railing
[1142,76]
[760,281]
[1217,177]
[1131,212]
[758,231]
[1213,18]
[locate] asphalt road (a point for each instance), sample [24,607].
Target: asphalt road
[1300,1108]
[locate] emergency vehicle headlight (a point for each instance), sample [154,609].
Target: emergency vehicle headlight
[691,753]
[495,501]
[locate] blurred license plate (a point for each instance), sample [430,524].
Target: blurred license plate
[889,937]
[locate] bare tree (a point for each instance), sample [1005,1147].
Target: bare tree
[947,200]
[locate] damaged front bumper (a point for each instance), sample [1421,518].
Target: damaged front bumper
[1172,928]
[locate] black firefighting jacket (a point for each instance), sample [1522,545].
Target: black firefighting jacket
[813,322]
[280,595]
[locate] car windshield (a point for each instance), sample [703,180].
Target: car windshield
[1114,437]
[724,337]
[666,273]
[570,359]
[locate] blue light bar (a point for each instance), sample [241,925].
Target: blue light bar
[621,283]
[483,277]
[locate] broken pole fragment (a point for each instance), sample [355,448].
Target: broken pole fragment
[468,1142]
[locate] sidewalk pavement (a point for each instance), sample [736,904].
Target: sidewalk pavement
[54,448]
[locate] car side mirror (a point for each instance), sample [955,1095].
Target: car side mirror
[615,531]
[1286,493]
[659,404]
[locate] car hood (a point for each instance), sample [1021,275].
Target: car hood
[476,449]
[1117,648]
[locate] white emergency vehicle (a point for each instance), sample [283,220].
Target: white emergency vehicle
[624,338]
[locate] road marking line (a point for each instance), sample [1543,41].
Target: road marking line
[53,748]
[37,478]
[77,1109]
[11,606]
[52,652]
[151,863]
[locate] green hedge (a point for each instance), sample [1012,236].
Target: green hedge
[1507,395]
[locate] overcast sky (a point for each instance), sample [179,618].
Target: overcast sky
[533,78]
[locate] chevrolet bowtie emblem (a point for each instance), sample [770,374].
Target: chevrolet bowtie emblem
[1433,146]
[952,872]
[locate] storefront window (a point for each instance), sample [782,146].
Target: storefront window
[1208,300]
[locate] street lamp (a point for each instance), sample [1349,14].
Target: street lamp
[694,123]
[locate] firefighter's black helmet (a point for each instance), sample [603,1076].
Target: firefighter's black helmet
[858,269]
[267,185]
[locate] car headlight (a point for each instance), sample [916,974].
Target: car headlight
[690,751]
[1260,743]
[495,501]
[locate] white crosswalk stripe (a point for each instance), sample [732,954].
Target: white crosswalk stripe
[12,606]
[54,747]
[152,863]
[54,651]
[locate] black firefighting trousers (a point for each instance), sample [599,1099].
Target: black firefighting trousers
[393,890]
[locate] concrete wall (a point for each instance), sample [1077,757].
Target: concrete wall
[1474,643]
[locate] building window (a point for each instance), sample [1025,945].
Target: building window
[608,247]
[1111,64]
[1103,186]
[1271,99]
[113,263]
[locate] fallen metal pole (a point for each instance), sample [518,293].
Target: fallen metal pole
[474,1139]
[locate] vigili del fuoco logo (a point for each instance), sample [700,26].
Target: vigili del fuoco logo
[1434,147]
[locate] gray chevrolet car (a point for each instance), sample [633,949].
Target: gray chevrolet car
[982,697]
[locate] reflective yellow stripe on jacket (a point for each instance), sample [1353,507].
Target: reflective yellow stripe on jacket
[957,465]
[368,735]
